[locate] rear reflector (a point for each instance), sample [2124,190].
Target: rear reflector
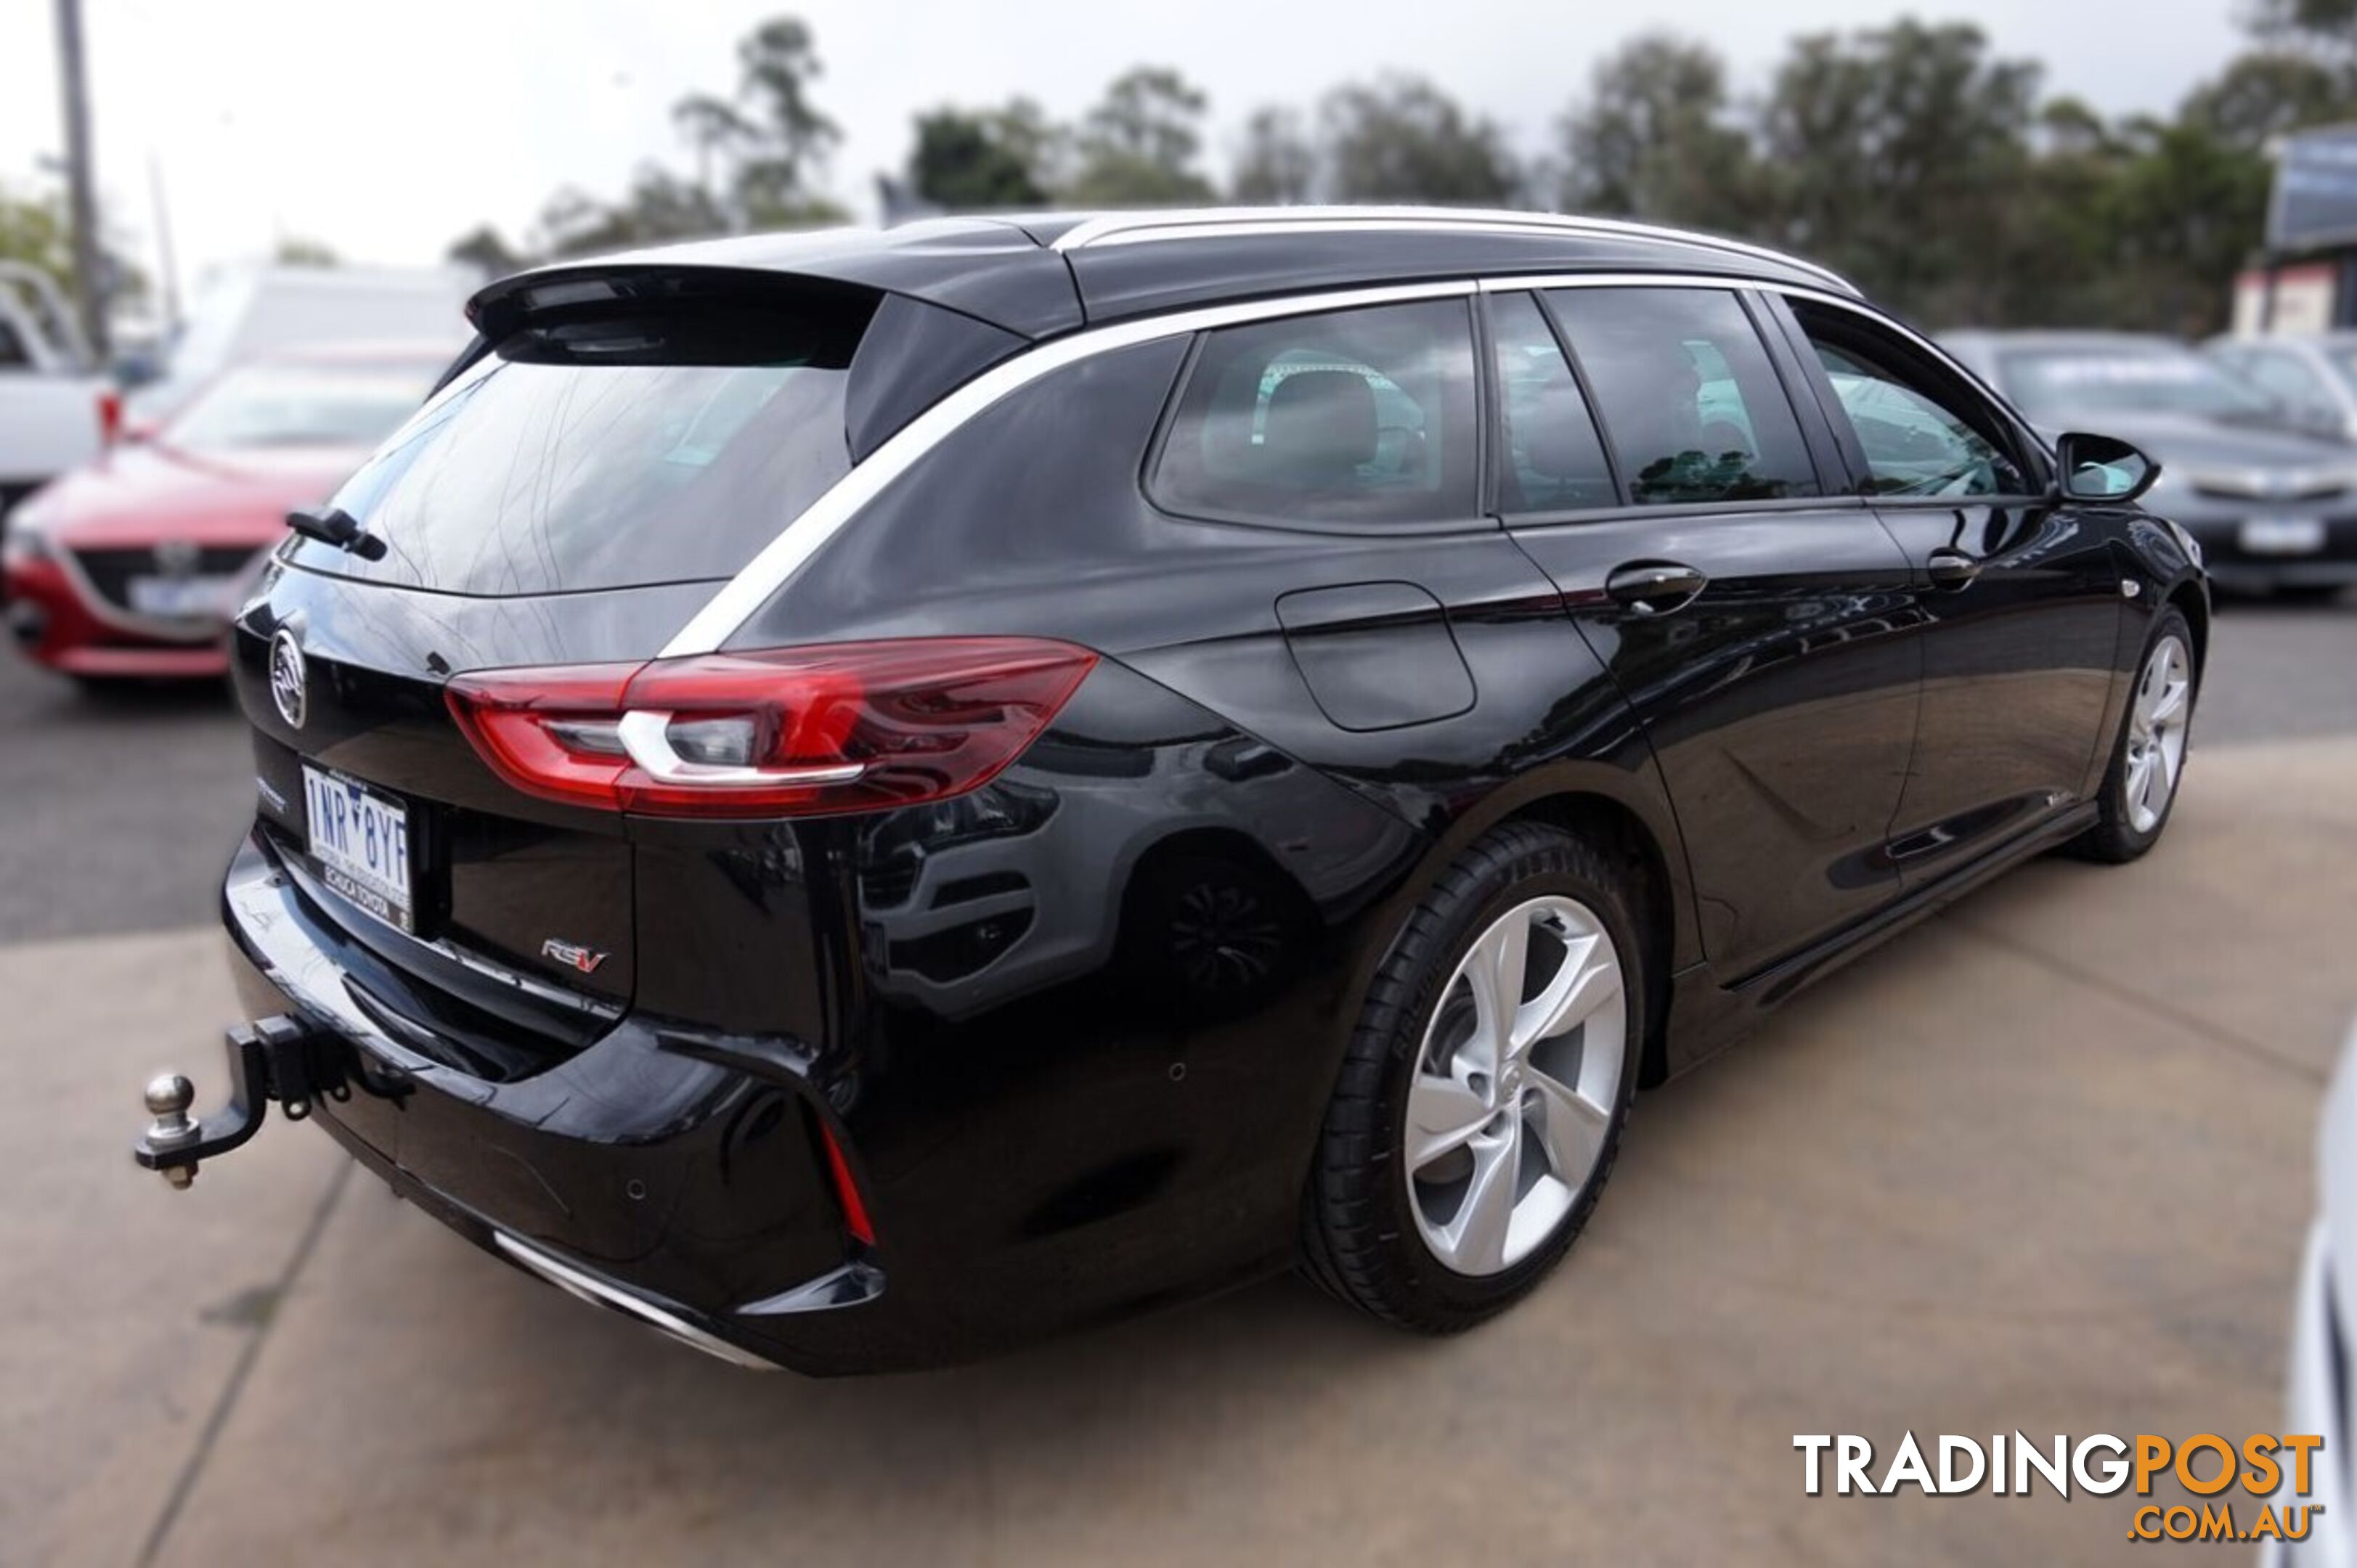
[847,1191]
[794,732]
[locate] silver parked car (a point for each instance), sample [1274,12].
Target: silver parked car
[2314,377]
[2273,502]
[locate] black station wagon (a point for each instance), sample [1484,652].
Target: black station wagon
[859,797]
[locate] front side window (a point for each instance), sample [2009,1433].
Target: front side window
[1554,458]
[1920,436]
[1687,393]
[1355,416]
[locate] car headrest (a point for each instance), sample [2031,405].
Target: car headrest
[1321,425]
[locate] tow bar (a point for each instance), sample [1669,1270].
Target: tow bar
[276,1059]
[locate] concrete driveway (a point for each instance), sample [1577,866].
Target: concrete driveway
[2043,1163]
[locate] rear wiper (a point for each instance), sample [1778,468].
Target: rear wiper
[333,525]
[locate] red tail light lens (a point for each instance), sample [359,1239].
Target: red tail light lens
[847,1191]
[110,417]
[796,732]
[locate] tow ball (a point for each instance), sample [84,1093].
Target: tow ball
[278,1059]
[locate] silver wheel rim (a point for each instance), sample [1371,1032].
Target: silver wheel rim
[1515,1086]
[2161,704]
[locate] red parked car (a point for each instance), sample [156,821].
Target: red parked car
[129,567]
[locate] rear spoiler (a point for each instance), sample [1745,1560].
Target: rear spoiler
[911,354]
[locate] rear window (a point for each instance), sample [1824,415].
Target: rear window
[610,453]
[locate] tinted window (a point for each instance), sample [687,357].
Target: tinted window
[1554,458]
[608,453]
[1923,432]
[14,355]
[1357,416]
[1689,396]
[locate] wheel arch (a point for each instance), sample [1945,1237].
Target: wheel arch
[1613,809]
[2190,601]
[1613,827]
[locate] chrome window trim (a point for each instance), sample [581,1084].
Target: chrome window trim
[784,556]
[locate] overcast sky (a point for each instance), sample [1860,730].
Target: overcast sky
[386,130]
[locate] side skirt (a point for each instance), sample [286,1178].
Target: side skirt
[1706,1016]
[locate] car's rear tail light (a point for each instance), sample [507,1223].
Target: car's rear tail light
[110,417]
[798,731]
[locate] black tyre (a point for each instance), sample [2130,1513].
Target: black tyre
[2149,755]
[1468,1138]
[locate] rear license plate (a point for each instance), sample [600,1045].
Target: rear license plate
[184,598]
[360,840]
[2282,535]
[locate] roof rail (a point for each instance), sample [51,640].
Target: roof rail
[1213,222]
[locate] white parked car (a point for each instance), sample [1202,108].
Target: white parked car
[2323,1336]
[261,312]
[2315,378]
[55,410]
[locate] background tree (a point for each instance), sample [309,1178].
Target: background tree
[1653,139]
[787,140]
[977,160]
[1402,139]
[1139,146]
[1278,162]
[1897,154]
[488,252]
[660,207]
[34,231]
[296,252]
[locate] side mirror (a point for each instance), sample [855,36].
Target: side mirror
[2104,468]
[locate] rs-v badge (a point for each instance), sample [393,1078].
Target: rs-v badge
[573,955]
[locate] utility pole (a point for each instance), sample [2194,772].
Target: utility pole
[168,269]
[82,188]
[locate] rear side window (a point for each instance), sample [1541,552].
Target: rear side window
[1554,458]
[1687,393]
[1357,416]
[610,453]
[14,355]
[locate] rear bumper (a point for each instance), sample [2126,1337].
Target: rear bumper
[639,1174]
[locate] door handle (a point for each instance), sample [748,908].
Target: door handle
[1654,588]
[1951,568]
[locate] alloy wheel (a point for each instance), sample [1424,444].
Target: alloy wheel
[2161,705]
[1516,1084]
